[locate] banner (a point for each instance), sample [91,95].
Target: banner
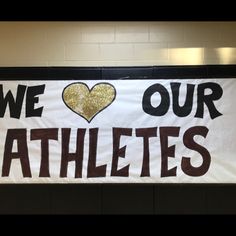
[118,131]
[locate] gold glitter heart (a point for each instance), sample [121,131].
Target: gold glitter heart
[88,102]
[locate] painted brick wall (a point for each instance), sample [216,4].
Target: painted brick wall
[117,43]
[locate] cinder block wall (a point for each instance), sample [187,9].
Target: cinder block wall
[117,43]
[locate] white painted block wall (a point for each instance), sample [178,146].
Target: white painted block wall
[117,43]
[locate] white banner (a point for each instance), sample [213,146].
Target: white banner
[118,131]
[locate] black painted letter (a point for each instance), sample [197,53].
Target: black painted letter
[216,94]
[165,100]
[31,99]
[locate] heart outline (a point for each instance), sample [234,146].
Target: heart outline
[90,90]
